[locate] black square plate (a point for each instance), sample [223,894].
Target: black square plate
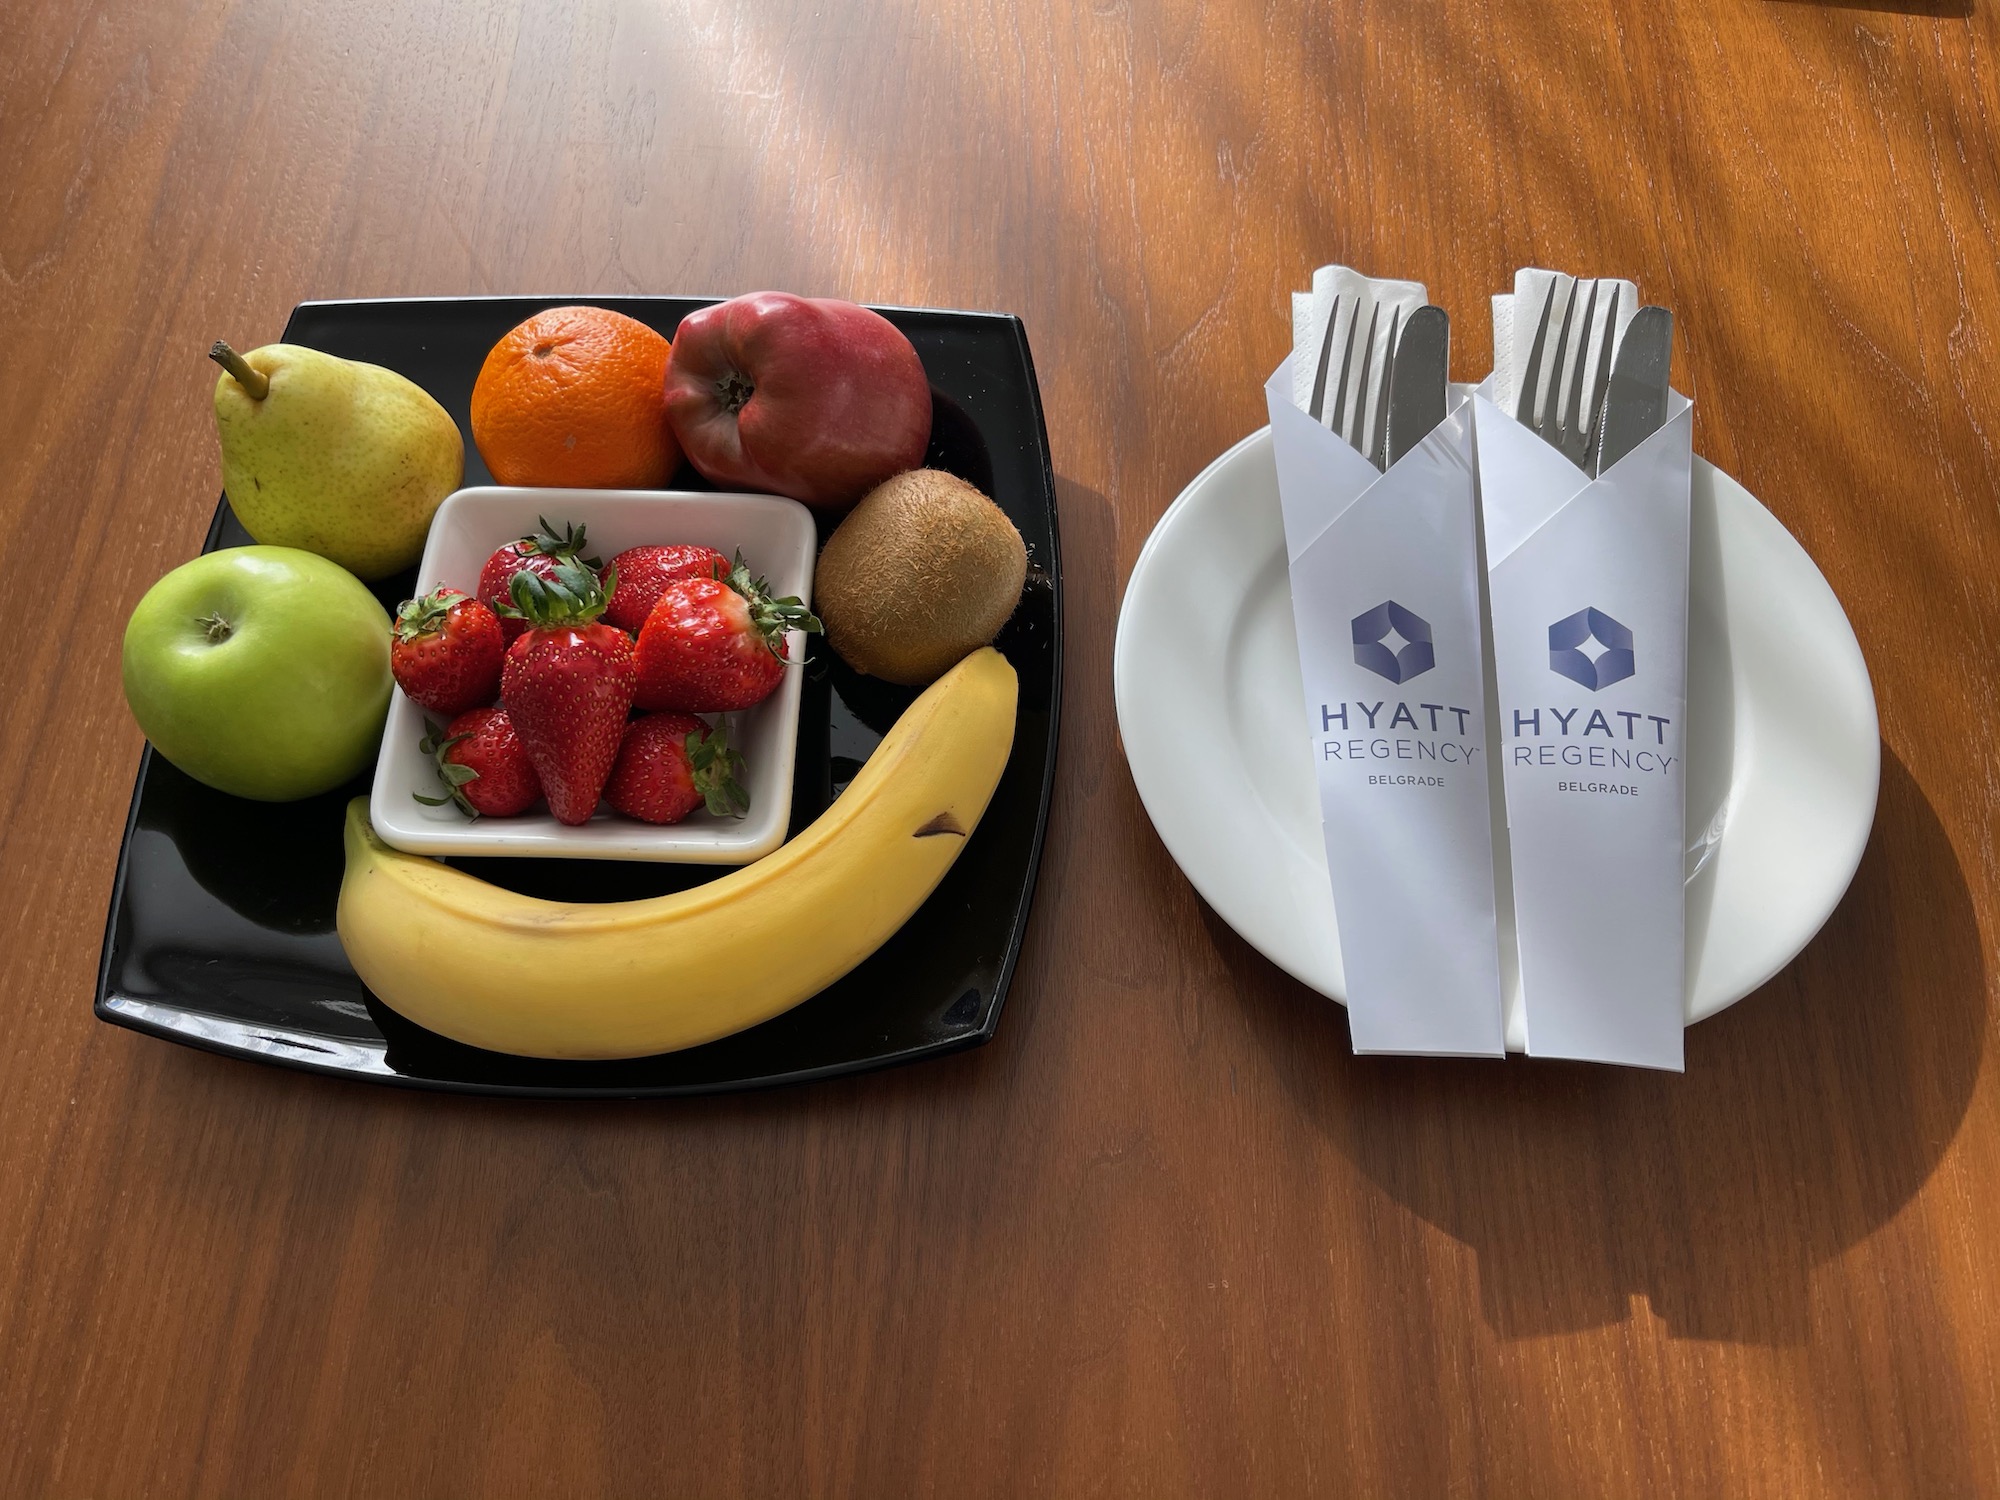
[221,932]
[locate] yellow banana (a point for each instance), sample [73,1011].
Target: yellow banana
[630,978]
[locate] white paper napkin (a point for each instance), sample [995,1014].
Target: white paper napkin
[1366,300]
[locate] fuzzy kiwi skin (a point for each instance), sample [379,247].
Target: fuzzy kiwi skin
[922,573]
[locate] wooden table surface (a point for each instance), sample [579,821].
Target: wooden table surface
[1164,1235]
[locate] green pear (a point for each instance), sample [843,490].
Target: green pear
[333,456]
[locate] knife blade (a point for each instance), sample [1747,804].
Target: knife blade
[1417,380]
[1635,402]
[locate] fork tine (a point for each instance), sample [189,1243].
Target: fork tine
[1549,429]
[1593,438]
[1354,435]
[1531,377]
[1318,408]
[1572,424]
[1346,363]
[1378,445]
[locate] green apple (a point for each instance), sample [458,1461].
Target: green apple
[262,671]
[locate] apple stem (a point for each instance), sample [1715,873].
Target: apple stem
[254,381]
[216,629]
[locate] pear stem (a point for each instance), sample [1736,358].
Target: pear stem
[254,382]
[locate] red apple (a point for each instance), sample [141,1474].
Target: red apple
[810,397]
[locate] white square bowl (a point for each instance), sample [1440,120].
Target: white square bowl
[778,543]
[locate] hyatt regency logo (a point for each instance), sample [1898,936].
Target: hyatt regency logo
[1589,647]
[1393,643]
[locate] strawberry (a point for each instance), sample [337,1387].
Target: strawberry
[483,765]
[712,645]
[446,652]
[670,764]
[539,552]
[568,685]
[644,572]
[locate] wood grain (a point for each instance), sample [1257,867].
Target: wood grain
[1164,1235]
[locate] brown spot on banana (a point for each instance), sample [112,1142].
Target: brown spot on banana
[944,822]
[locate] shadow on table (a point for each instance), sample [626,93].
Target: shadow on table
[1946,8]
[1809,1114]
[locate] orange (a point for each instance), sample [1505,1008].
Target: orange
[576,396]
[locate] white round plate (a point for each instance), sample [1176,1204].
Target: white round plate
[1783,753]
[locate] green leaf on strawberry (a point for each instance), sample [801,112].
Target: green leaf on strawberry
[567,543]
[771,616]
[572,595]
[714,764]
[426,615]
[435,743]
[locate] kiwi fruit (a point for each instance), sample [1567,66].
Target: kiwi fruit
[922,573]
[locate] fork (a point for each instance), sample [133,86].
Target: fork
[1563,421]
[1349,426]
[1339,421]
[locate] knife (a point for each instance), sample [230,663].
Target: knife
[1635,402]
[1417,380]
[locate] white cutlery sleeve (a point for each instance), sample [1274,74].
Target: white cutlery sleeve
[1587,580]
[1386,602]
